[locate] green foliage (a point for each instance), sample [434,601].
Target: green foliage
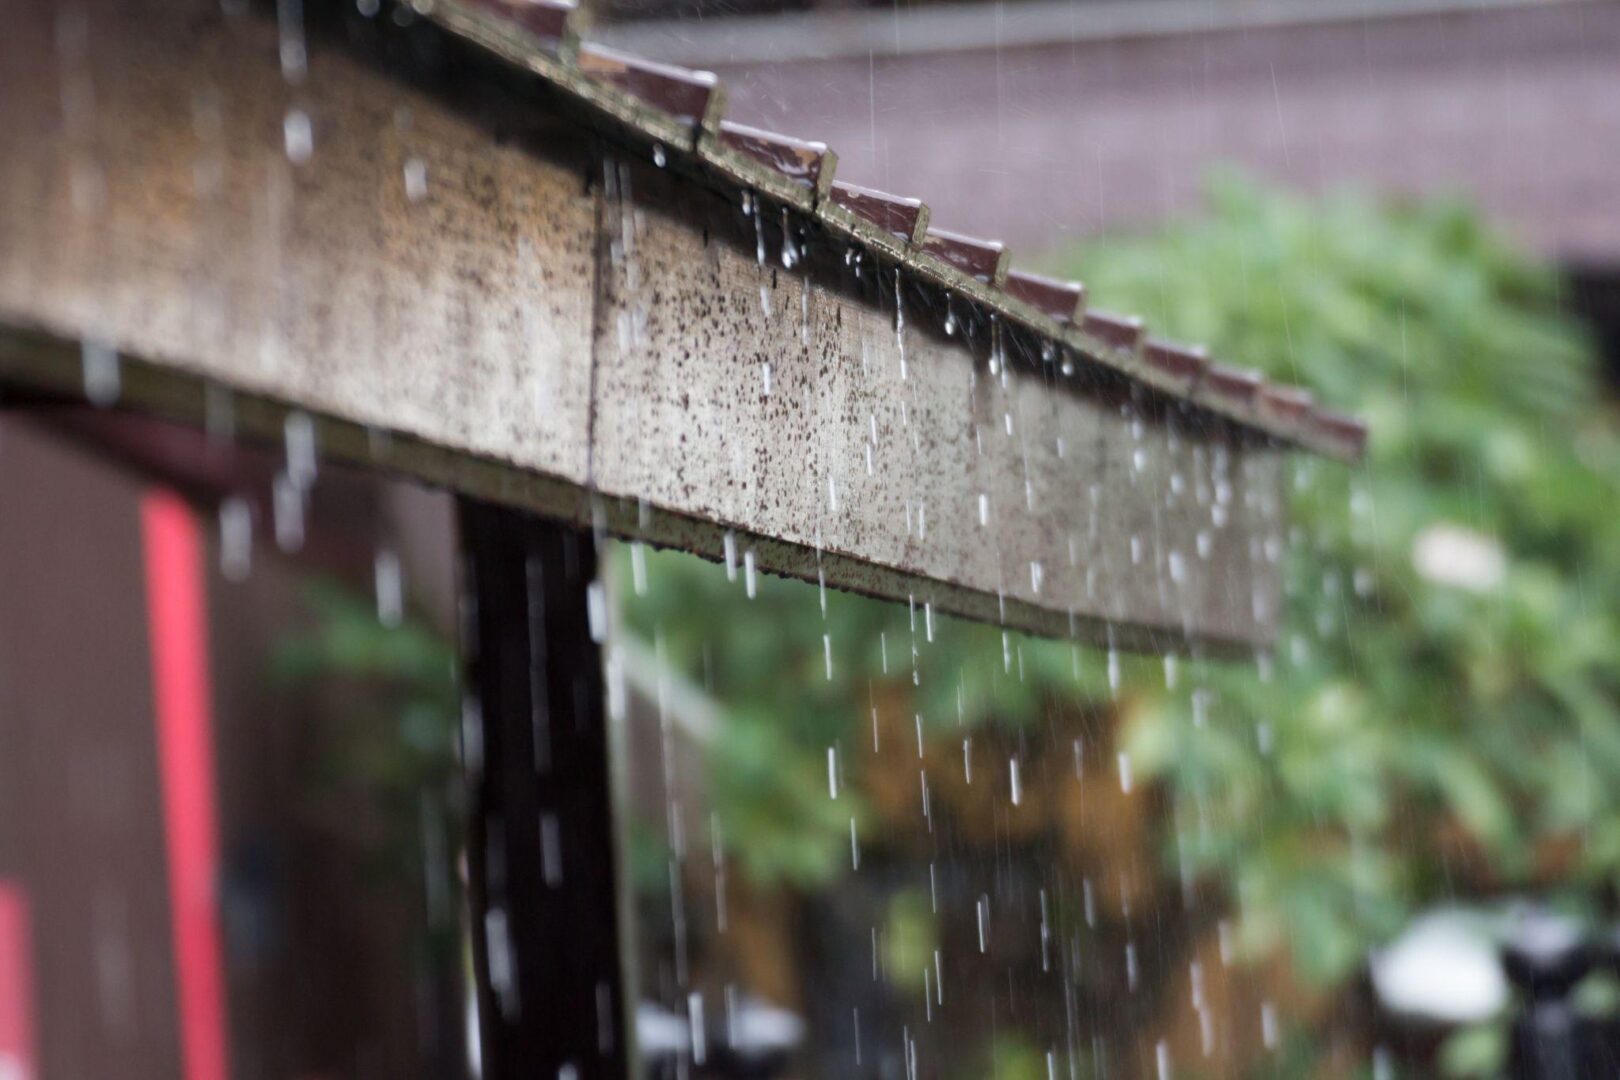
[1401,708]
[1412,737]
[765,661]
[390,747]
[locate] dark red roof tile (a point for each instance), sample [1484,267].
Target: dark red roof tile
[1182,364]
[1234,384]
[905,218]
[1347,431]
[545,19]
[982,259]
[693,96]
[809,163]
[1287,404]
[1121,331]
[1063,300]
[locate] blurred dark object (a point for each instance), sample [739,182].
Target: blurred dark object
[1546,957]
[1594,295]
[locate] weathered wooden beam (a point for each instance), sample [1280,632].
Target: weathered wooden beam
[494,293]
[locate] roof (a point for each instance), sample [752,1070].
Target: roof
[681,112]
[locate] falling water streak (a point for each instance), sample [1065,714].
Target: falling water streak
[832,772]
[694,1013]
[287,511]
[235,538]
[900,321]
[638,567]
[717,852]
[389,582]
[298,136]
[750,582]
[416,179]
[102,376]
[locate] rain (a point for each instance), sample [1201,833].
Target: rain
[667,539]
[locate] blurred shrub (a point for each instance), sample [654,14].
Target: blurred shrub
[1442,716]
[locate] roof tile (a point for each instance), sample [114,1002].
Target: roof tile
[807,163]
[905,218]
[1124,332]
[695,97]
[547,20]
[982,259]
[1063,300]
[806,168]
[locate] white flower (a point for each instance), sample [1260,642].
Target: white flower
[1452,555]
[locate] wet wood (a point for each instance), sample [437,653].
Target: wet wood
[496,296]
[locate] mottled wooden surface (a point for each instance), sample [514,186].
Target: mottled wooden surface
[509,306]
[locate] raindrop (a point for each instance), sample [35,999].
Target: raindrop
[694,1013]
[287,510]
[596,611]
[551,868]
[102,377]
[235,538]
[299,136]
[1017,783]
[660,158]
[900,320]
[790,247]
[390,588]
[638,567]
[415,179]
[298,439]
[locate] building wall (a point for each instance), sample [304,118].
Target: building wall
[1517,106]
